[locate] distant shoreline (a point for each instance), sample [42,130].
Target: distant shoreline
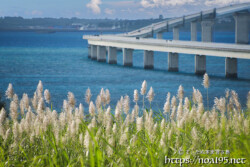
[74,30]
[56,30]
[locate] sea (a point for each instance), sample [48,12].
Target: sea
[60,61]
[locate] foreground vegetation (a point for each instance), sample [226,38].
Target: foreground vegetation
[31,134]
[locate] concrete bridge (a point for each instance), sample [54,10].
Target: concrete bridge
[142,39]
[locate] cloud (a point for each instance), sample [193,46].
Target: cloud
[77,13]
[36,13]
[167,3]
[94,6]
[224,2]
[121,3]
[141,9]
[128,10]
[162,3]
[109,11]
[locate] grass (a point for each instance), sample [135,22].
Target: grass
[38,136]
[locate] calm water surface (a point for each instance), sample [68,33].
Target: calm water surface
[60,61]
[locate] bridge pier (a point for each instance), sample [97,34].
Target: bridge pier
[173,58]
[127,57]
[176,35]
[149,35]
[241,28]
[89,51]
[231,67]
[112,55]
[206,36]
[93,52]
[200,64]
[241,37]
[148,59]
[173,62]
[101,53]
[159,35]
[207,30]
[194,31]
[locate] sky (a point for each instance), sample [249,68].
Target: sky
[120,9]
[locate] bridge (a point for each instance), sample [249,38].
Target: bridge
[142,39]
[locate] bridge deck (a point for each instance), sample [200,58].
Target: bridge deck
[161,26]
[186,47]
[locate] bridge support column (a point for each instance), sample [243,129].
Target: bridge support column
[112,55]
[149,35]
[206,36]
[173,62]
[148,59]
[93,52]
[89,51]
[194,31]
[101,53]
[159,35]
[176,33]
[173,58]
[231,67]
[207,30]
[127,57]
[200,64]
[241,37]
[241,28]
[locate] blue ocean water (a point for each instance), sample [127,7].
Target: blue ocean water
[60,61]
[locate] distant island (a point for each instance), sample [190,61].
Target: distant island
[78,24]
